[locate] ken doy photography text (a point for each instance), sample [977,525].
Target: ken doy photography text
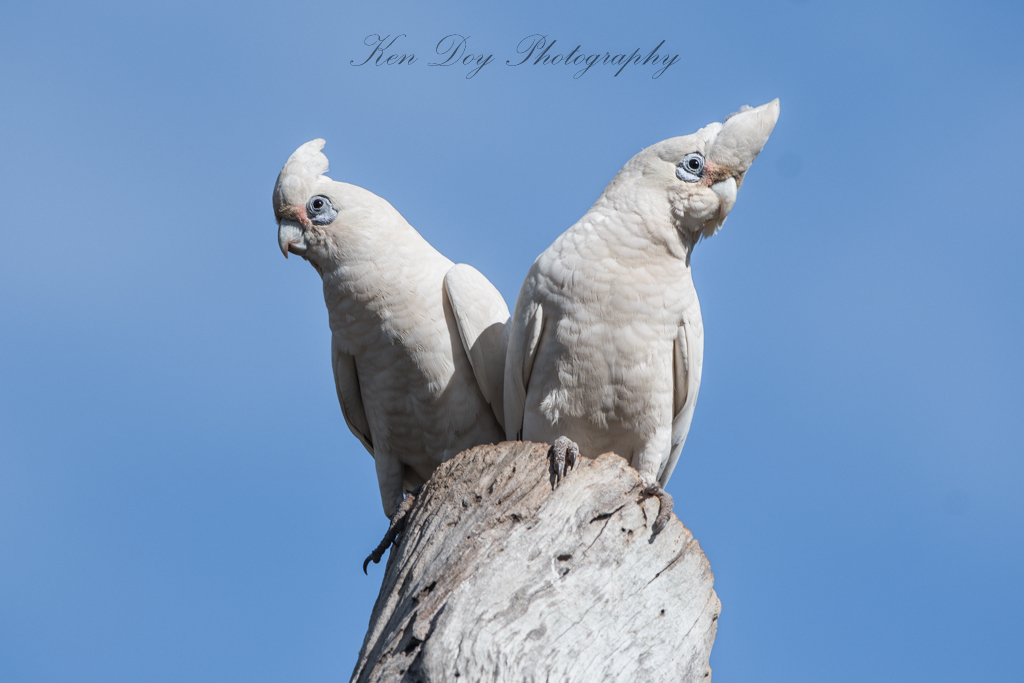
[533,50]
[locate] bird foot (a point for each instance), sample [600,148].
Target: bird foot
[396,527]
[563,454]
[665,506]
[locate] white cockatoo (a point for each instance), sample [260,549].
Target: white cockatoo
[418,343]
[606,341]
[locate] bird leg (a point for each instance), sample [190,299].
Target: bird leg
[665,506]
[396,527]
[564,454]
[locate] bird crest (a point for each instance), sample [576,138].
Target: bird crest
[743,135]
[303,168]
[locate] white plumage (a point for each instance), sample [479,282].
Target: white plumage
[606,342]
[418,344]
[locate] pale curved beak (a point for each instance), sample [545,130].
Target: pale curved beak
[726,190]
[291,238]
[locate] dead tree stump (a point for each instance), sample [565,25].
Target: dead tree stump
[497,577]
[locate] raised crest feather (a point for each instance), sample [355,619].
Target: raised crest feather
[303,167]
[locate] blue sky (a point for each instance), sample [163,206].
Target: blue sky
[179,496]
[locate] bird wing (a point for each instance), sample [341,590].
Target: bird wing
[346,381]
[483,320]
[523,342]
[688,358]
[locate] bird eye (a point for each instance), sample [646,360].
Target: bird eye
[320,210]
[691,168]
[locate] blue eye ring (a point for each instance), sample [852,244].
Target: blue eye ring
[320,210]
[691,168]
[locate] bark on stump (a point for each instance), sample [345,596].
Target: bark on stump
[497,577]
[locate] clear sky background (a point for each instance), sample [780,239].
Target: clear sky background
[180,499]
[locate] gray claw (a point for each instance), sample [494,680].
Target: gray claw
[563,453]
[396,527]
[665,507]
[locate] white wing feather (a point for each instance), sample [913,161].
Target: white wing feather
[346,381]
[686,366]
[524,340]
[482,317]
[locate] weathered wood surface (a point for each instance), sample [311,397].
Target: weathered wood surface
[500,578]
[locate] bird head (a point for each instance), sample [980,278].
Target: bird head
[698,175]
[313,211]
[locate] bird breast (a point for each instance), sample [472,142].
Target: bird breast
[607,347]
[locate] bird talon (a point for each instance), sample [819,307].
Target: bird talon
[564,454]
[396,527]
[665,505]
